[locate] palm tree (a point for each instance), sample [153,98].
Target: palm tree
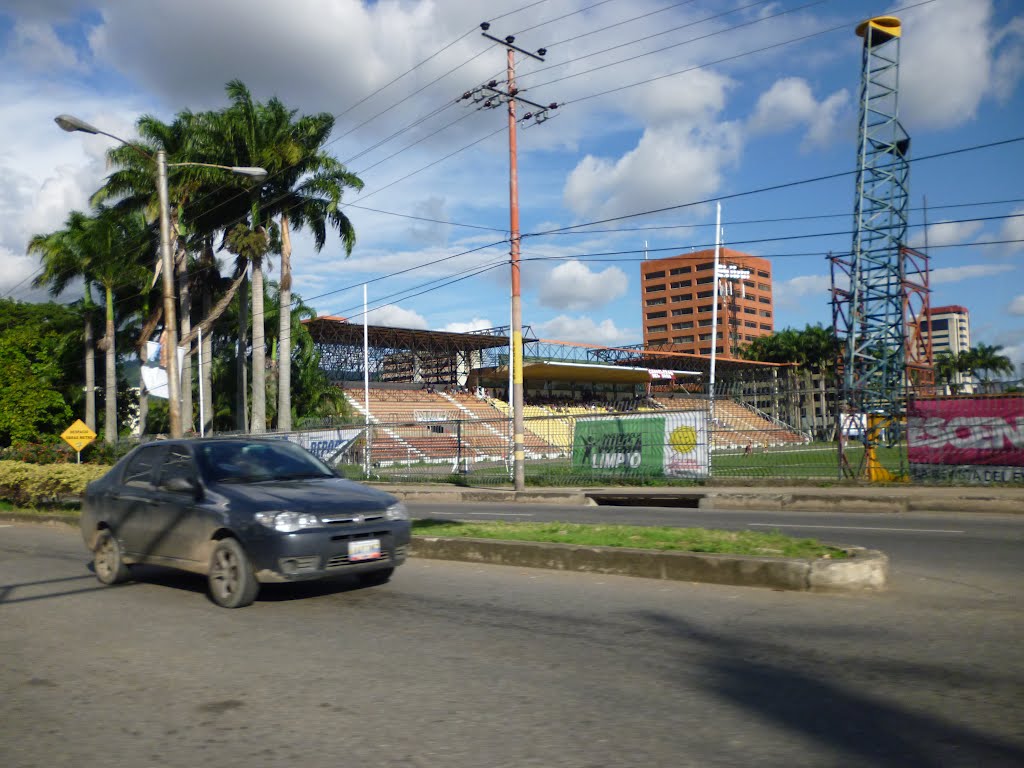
[63,261]
[104,251]
[949,367]
[307,194]
[988,359]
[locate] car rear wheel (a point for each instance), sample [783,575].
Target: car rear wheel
[232,580]
[376,578]
[107,560]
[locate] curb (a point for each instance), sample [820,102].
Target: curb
[866,570]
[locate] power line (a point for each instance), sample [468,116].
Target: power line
[621,23]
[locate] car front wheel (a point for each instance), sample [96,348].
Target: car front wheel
[107,559]
[232,580]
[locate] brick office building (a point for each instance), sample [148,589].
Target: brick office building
[677,297]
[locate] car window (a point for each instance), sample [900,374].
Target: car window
[241,462]
[177,464]
[139,472]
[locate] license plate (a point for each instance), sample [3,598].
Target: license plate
[364,549]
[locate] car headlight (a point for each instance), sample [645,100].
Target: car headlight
[397,512]
[287,522]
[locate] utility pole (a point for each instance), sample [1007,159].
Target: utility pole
[489,96]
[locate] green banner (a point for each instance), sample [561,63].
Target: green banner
[671,444]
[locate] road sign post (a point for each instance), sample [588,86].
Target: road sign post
[78,435]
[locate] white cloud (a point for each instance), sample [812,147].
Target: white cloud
[944,275]
[946,233]
[476,324]
[584,329]
[952,60]
[702,97]
[792,292]
[35,46]
[671,164]
[394,316]
[790,103]
[1017,305]
[574,286]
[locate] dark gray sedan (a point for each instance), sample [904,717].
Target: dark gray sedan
[241,512]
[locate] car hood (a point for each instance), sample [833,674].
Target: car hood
[316,495]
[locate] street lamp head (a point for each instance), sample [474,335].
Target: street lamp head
[254,172]
[70,123]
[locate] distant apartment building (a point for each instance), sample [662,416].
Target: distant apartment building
[677,296]
[950,330]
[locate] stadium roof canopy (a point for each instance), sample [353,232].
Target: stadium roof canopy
[329,330]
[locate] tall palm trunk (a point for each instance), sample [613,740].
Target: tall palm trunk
[206,372]
[185,317]
[110,393]
[284,349]
[242,381]
[90,371]
[259,353]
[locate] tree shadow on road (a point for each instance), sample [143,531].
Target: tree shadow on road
[778,686]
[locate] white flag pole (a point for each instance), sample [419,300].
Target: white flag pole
[714,315]
[366,385]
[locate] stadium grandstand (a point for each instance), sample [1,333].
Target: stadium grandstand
[441,397]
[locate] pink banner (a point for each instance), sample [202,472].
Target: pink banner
[976,431]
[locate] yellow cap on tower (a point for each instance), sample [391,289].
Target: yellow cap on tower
[883,28]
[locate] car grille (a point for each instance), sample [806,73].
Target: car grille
[348,519]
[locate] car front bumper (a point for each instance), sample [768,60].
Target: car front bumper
[324,553]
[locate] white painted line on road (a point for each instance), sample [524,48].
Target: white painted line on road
[487,514]
[850,528]
[6,526]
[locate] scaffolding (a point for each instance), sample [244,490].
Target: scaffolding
[870,287]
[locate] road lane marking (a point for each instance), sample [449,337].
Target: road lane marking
[850,528]
[6,526]
[488,514]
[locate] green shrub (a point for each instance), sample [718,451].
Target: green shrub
[25,484]
[39,453]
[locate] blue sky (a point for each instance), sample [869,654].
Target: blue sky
[734,120]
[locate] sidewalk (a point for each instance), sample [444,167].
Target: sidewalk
[888,498]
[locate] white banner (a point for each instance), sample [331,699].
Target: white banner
[155,377]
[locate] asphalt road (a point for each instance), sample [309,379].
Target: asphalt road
[459,665]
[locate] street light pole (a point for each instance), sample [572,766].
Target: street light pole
[170,310]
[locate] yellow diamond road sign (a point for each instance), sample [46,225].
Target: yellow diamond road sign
[78,435]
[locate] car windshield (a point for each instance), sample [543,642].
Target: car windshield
[244,462]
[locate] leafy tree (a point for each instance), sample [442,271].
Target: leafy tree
[38,345]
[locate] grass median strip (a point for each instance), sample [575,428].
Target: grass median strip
[763,544]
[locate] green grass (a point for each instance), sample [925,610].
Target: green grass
[768,544]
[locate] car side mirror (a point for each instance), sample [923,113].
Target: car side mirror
[180,485]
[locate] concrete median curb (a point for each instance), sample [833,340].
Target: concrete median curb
[865,570]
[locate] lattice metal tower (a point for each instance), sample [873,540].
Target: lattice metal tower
[868,288]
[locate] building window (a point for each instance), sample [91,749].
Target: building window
[704,323]
[682,326]
[705,294]
[657,329]
[940,325]
[704,308]
[655,275]
[765,313]
[763,287]
[682,311]
[762,273]
[681,284]
[654,288]
[705,350]
[705,266]
[683,339]
[766,326]
[749,311]
[719,350]
[749,324]
[705,280]
[680,271]
[764,299]
[683,297]
[705,337]
[655,302]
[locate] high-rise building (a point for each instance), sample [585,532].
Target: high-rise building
[677,296]
[949,328]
